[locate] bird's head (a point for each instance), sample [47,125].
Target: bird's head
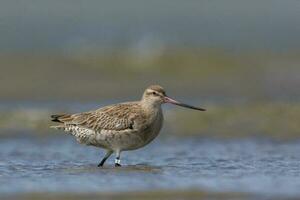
[156,95]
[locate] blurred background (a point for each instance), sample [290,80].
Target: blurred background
[238,59]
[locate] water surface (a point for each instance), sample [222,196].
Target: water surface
[59,164]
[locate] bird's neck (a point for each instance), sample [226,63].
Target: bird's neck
[150,107]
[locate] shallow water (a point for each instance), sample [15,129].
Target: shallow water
[59,164]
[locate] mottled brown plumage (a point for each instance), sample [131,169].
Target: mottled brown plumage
[119,127]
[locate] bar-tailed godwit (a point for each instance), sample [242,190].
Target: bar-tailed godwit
[120,127]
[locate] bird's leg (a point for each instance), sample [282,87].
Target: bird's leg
[118,160]
[108,153]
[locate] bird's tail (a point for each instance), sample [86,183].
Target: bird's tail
[59,119]
[56,118]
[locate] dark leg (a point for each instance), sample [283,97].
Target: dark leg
[108,153]
[118,161]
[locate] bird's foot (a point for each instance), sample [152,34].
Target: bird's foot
[117,165]
[118,162]
[108,153]
[100,165]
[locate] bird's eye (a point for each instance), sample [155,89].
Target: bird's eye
[154,93]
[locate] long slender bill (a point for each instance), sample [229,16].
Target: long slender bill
[172,101]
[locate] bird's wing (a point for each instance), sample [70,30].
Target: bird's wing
[115,117]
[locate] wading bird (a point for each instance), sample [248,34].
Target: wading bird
[120,127]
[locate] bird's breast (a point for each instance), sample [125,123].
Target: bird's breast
[152,129]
